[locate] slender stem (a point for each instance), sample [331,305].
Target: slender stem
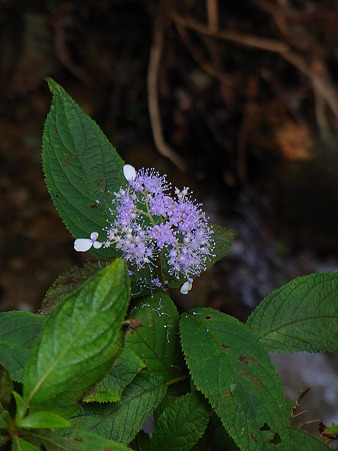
[146,213]
[177,379]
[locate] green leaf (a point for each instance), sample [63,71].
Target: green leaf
[88,441]
[20,444]
[305,442]
[6,387]
[174,392]
[121,421]
[18,334]
[81,167]
[182,424]
[79,342]
[300,316]
[223,238]
[76,441]
[41,419]
[111,387]
[221,440]
[68,282]
[21,407]
[215,438]
[157,341]
[4,419]
[232,369]
[142,441]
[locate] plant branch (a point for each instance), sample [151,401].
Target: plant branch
[320,82]
[153,100]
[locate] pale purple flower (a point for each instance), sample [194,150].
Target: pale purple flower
[146,220]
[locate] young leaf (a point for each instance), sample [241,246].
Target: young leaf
[21,407]
[111,387]
[223,238]
[41,419]
[121,421]
[18,333]
[300,316]
[233,370]
[4,419]
[80,166]
[182,424]
[78,342]
[156,342]
[20,444]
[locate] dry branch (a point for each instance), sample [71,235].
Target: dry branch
[153,99]
[321,82]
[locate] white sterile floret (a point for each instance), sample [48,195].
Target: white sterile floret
[84,244]
[186,287]
[129,172]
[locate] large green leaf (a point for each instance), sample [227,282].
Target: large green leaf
[111,387]
[157,341]
[18,334]
[76,441]
[41,419]
[88,441]
[232,369]
[79,342]
[67,282]
[81,167]
[182,424]
[300,316]
[121,421]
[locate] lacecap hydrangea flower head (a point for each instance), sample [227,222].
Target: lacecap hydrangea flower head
[146,221]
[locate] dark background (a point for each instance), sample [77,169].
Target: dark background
[237,100]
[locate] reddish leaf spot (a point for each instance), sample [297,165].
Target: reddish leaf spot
[227,393]
[208,317]
[68,158]
[223,346]
[93,206]
[71,281]
[253,437]
[134,324]
[251,378]
[246,359]
[57,133]
[100,181]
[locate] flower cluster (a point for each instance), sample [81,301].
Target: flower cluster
[147,222]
